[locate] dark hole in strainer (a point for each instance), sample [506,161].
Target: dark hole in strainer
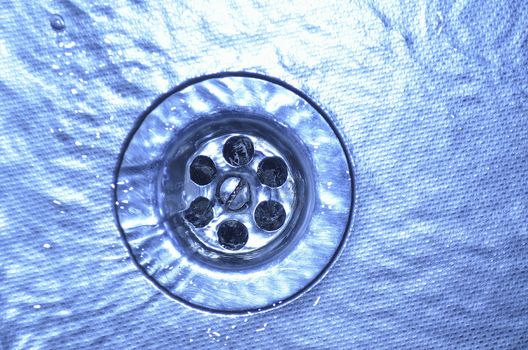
[238,150]
[200,212]
[232,234]
[272,172]
[270,215]
[203,170]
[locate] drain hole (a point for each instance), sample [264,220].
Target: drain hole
[272,172]
[238,150]
[200,212]
[202,170]
[232,234]
[270,215]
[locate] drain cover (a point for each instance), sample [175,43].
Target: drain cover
[234,194]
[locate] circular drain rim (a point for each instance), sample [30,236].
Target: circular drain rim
[337,249]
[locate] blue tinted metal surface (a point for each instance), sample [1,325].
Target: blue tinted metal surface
[431,97]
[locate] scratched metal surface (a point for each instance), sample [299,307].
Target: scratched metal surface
[431,97]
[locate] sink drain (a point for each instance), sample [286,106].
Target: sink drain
[234,182]
[234,193]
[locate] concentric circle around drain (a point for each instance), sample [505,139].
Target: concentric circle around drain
[234,193]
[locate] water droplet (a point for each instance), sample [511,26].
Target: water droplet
[57,23]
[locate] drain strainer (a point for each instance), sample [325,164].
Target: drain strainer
[234,193]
